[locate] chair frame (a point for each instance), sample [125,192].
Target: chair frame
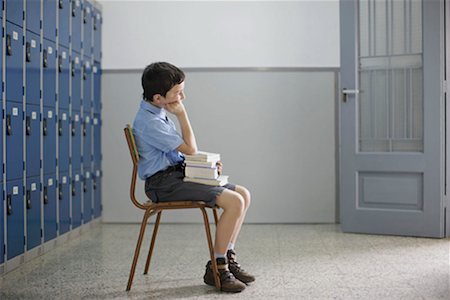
[152,208]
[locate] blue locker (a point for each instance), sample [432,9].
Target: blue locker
[49,133]
[87,84]
[64,202]
[76,141]
[97,188]
[49,20]
[64,21]
[33,140]
[33,72]
[97,46]
[97,74]
[49,74]
[33,16]
[87,197]
[15,12]
[63,140]
[64,77]
[14,140]
[76,26]
[76,81]
[97,140]
[49,198]
[76,198]
[2,226]
[33,209]
[14,62]
[87,28]
[15,218]
[87,143]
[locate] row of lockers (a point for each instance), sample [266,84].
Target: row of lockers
[60,70]
[40,211]
[75,24]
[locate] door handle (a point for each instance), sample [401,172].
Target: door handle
[9,204]
[346,92]
[60,191]
[28,199]
[28,125]
[45,58]
[8,125]
[45,195]
[73,188]
[28,52]
[8,45]
[60,64]
[44,129]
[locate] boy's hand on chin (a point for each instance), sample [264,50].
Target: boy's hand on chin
[175,107]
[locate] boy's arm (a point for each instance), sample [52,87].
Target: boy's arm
[189,146]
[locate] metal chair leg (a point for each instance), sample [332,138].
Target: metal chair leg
[152,244]
[138,248]
[211,249]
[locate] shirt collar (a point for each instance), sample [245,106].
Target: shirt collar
[160,112]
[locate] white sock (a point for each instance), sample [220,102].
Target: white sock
[230,246]
[219,255]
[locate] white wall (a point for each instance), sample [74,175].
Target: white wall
[221,33]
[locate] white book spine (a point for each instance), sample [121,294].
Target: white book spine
[201,172]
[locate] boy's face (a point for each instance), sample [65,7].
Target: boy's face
[176,93]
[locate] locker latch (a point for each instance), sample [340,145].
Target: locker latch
[73,188]
[8,125]
[73,128]
[60,63]
[28,199]
[84,129]
[61,4]
[28,125]
[73,8]
[45,195]
[94,183]
[45,58]
[84,186]
[9,204]
[60,196]
[60,129]
[95,24]
[73,69]
[85,16]
[28,52]
[84,72]
[44,129]
[8,45]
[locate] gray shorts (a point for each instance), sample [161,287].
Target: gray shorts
[169,186]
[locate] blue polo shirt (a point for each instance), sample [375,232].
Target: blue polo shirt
[156,139]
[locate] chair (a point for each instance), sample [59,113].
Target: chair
[152,208]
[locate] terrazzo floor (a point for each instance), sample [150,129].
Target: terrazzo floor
[289,261]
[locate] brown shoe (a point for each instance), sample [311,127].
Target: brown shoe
[228,283]
[236,269]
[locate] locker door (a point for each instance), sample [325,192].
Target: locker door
[87,197]
[76,142]
[15,218]
[64,202]
[49,133]
[97,187]
[64,20]
[32,65]
[14,62]
[97,35]
[33,209]
[49,198]
[97,141]
[63,141]
[14,140]
[87,29]
[33,140]
[2,226]
[49,74]
[49,20]
[97,74]
[64,77]
[76,26]
[76,199]
[14,12]
[76,81]
[33,15]
[87,85]
[87,143]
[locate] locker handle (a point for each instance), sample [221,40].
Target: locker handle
[73,188]
[85,14]
[44,129]
[8,45]
[45,58]
[84,72]
[45,195]
[8,125]
[9,204]
[28,52]
[60,129]
[28,125]
[95,24]
[73,69]
[61,4]
[84,186]
[60,197]
[73,128]
[94,183]
[73,8]
[28,199]
[60,63]
[84,129]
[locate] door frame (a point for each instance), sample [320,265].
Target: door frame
[446,89]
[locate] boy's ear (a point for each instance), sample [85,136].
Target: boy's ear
[157,98]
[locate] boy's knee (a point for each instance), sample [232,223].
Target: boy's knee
[246,195]
[237,203]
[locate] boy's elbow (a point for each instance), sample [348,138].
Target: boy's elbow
[191,151]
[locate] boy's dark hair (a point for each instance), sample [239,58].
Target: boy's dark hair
[159,78]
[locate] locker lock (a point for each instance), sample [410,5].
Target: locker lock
[28,125]
[60,63]
[60,129]
[8,45]
[45,195]
[44,129]
[9,204]
[28,199]
[28,52]
[8,125]
[60,195]
[73,188]
[45,58]
[61,2]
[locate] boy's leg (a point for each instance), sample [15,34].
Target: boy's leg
[247,199]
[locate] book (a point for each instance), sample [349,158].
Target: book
[201,172]
[204,164]
[203,156]
[219,181]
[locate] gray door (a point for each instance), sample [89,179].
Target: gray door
[391,117]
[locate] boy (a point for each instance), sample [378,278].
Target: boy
[161,150]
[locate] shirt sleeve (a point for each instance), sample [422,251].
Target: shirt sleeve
[161,136]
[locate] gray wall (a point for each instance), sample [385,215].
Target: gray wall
[275,130]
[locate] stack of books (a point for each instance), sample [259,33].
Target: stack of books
[201,168]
